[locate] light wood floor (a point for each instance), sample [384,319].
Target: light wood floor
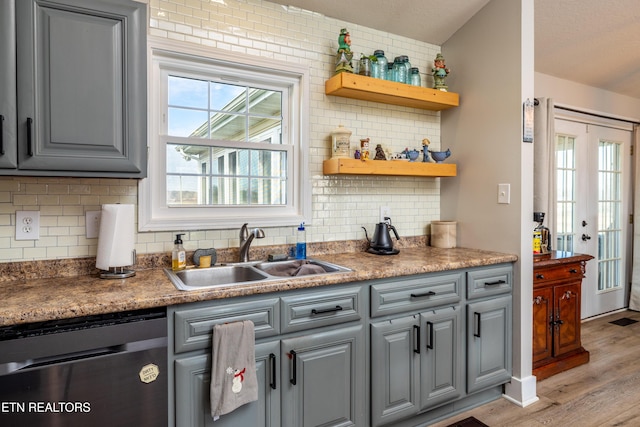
[604,392]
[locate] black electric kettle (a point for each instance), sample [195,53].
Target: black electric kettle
[381,244]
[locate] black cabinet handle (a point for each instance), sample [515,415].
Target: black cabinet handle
[29,136]
[1,136]
[272,362]
[328,310]
[430,342]
[497,282]
[293,379]
[573,271]
[478,319]
[539,276]
[416,331]
[426,294]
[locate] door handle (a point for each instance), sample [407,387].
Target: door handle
[584,223]
[272,359]
[29,136]
[1,136]
[294,378]
[585,237]
[430,342]
[478,319]
[416,330]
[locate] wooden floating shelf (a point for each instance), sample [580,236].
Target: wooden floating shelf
[349,85]
[345,166]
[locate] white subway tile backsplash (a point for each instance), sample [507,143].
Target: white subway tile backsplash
[341,205]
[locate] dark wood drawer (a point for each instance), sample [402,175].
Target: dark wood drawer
[543,275]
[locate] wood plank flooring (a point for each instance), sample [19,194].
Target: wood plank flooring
[604,392]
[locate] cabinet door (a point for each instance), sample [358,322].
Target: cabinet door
[542,327]
[441,358]
[488,343]
[566,318]
[395,369]
[8,141]
[82,86]
[323,379]
[193,408]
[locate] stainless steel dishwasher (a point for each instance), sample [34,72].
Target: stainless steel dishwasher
[104,370]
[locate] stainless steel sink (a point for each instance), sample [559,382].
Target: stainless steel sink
[281,268]
[242,273]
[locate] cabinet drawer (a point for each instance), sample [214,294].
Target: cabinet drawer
[193,326]
[318,309]
[415,294]
[489,281]
[557,272]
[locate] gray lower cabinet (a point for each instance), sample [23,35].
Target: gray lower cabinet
[437,342]
[74,88]
[310,351]
[488,343]
[431,345]
[415,358]
[192,381]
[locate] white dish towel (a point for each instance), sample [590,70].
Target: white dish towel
[233,367]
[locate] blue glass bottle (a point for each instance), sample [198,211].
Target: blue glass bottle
[381,64]
[301,243]
[414,77]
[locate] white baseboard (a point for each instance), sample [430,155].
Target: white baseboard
[521,392]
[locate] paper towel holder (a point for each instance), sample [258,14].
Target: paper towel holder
[119,272]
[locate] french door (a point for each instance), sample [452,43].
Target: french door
[594,206]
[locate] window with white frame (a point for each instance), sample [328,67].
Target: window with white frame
[226,144]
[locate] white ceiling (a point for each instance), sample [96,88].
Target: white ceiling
[593,42]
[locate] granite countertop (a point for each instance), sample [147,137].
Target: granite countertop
[33,300]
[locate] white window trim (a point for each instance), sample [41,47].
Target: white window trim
[153,212]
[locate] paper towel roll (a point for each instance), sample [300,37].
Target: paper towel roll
[116,238]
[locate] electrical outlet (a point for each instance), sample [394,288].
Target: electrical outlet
[92,223]
[27,225]
[385,211]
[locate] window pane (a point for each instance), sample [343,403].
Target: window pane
[228,127]
[187,159]
[265,130]
[187,123]
[226,97]
[186,92]
[265,103]
[184,190]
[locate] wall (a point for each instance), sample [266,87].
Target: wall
[586,98]
[494,50]
[341,205]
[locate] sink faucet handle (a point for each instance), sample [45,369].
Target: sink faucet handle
[244,232]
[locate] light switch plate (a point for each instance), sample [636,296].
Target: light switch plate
[504,193]
[27,225]
[385,211]
[92,223]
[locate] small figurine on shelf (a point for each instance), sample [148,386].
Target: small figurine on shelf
[425,150]
[364,149]
[344,54]
[440,72]
[379,153]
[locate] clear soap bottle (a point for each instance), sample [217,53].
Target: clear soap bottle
[301,242]
[178,255]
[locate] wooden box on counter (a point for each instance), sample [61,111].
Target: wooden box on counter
[557,281]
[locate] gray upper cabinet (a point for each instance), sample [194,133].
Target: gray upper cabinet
[8,114]
[80,88]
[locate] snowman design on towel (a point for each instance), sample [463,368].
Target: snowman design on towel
[238,378]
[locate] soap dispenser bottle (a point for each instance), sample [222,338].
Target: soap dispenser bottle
[178,256]
[301,242]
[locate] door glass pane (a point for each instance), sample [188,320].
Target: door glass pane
[566,188]
[609,215]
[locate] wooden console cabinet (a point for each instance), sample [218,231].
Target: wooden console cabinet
[557,281]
